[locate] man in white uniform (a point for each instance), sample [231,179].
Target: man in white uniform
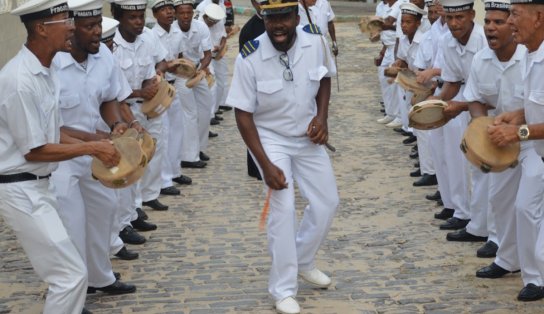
[526,20]
[90,83]
[196,102]
[322,15]
[214,17]
[465,39]
[284,127]
[29,149]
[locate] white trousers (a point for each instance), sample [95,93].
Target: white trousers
[436,144]
[87,210]
[166,175]
[221,70]
[389,100]
[175,138]
[292,246]
[196,104]
[456,166]
[479,203]
[29,208]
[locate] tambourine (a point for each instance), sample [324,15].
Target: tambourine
[210,79]
[427,115]
[482,153]
[162,100]
[391,71]
[374,27]
[184,68]
[407,80]
[221,53]
[147,143]
[196,79]
[130,166]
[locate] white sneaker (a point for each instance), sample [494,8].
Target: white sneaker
[287,306]
[394,124]
[316,278]
[385,120]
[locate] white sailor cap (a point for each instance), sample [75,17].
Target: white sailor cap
[214,12]
[109,26]
[503,5]
[452,6]
[410,8]
[131,5]
[180,2]
[85,8]
[157,4]
[39,9]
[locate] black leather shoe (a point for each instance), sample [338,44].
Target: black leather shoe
[446,213]
[219,111]
[203,156]
[130,236]
[211,134]
[127,255]
[85,311]
[382,110]
[489,249]
[218,117]
[411,139]
[193,164]
[142,225]
[531,292]
[155,204]
[493,271]
[117,287]
[416,164]
[462,235]
[414,155]
[414,148]
[402,132]
[439,203]
[426,180]
[433,197]
[214,121]
[183,180]
[415,173]
[454,223]
[225,108]
[171,190]
[141,213]
[117,275]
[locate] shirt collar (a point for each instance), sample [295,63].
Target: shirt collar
[473,41]
[67,60]
[120,41]
[33,63]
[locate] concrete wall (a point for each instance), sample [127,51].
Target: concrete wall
[12,32]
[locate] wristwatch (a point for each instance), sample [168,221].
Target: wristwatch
[523,132]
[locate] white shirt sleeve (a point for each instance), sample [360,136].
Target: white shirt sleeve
[206,41]
[24,123]
[471,92]
[243,89]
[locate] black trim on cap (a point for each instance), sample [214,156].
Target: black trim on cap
[61,8]
[131,7]
[105,39]
[460,8]
[526,1]
[497,6]
[411,12]
[87,13]
[161,4]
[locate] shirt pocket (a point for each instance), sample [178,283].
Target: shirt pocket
[488,89]
[126,64]
[315,75]
[68,101]
[268,92]
[518,92]
[536,97]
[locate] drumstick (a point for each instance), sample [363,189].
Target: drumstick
[266,209]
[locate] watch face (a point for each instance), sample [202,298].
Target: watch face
[523,132]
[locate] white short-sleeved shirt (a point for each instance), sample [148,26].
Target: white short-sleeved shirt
[195,41]
[171,42]
[429,45]
[494,83]
[29,115]
[137,59]
[321,14]
[389,37]
[217,31]
[161,52]
[407,50]
[281,107]
[458,58]
[83,91]
[533,68]
[380,8]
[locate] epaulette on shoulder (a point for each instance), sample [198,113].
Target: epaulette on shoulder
[249,48]
[312,29]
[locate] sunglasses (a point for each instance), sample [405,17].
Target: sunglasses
[287,73]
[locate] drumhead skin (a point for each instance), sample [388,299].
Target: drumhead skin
[198,77]
[123,174]
[407,79]
[184,68]
[482,153]
[161,101]
[427,115]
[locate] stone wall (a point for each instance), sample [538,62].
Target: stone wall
[12,32]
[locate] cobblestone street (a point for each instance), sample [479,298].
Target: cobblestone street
[384,252]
